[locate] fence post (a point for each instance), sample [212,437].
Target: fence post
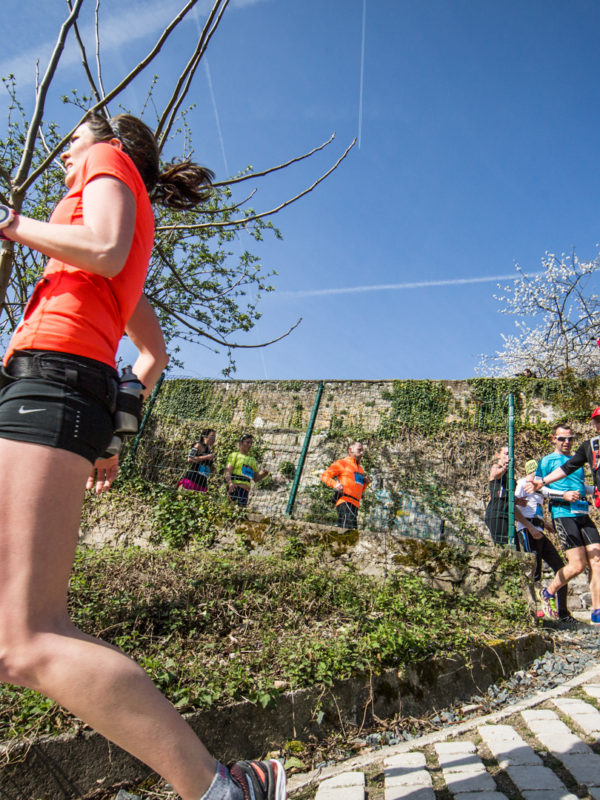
[511,469]
[134,446]
[301,460]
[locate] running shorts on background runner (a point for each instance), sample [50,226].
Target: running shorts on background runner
[577,531]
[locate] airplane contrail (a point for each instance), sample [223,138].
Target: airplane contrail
[398,286]
[216,112]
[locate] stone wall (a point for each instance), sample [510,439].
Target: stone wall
[464,569]
[288,404]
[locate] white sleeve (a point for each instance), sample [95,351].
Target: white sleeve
[520,488]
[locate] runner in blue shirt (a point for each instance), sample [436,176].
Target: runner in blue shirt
[577,533]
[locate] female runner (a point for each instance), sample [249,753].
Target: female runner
[201,458]
[496,512]
[56,406]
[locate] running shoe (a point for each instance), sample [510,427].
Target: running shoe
[260,780]
[549,605]
[596,616]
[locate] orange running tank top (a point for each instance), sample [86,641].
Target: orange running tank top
[78,312]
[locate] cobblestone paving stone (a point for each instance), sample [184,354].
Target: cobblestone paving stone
[544,748]
[406,776]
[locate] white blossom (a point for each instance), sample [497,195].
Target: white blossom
[558,321]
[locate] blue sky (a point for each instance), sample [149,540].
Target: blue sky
[478,149]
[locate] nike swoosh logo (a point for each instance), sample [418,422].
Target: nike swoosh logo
[30,410]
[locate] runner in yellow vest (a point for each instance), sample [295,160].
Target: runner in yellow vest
[241,469]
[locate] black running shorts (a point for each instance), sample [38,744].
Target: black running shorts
[50,412]
[239,494]
[578,531]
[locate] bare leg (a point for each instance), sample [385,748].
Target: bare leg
[42,492]
[593,556]
[577,562]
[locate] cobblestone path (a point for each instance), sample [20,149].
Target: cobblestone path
[545,748]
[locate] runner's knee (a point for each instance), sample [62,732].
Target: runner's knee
[20,660]
[575,568]
[24,655]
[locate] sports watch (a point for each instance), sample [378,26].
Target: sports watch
[6,215]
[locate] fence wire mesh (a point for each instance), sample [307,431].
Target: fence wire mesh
[428,449]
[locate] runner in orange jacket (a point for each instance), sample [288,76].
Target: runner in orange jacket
[348,479]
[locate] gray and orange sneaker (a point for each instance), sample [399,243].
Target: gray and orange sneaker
[260,780]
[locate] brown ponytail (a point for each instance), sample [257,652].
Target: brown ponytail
[182,185]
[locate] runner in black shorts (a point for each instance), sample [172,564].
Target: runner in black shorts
[578,534]
[57,398]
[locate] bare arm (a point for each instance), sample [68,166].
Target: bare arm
[555,475]
[527,523]
[101,245]
[496,470]
[144,331]
[198,459]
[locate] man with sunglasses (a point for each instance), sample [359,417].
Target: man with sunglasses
[531,528]
[577,533]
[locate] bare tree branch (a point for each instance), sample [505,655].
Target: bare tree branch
[274,169]
[46,147]
[239,222]
[184,81]
[38,111]
[201,298]
[84,58]
[208,211]
[6,263]
[223,343]
[98,62]
[24,185]
[6,176]
[188,83]
[6,255]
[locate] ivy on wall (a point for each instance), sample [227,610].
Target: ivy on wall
[196,400]
[571,398]
[414,404]
[488,407]
[419,405]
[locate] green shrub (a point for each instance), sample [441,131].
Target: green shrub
[287,469]
[212,627]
